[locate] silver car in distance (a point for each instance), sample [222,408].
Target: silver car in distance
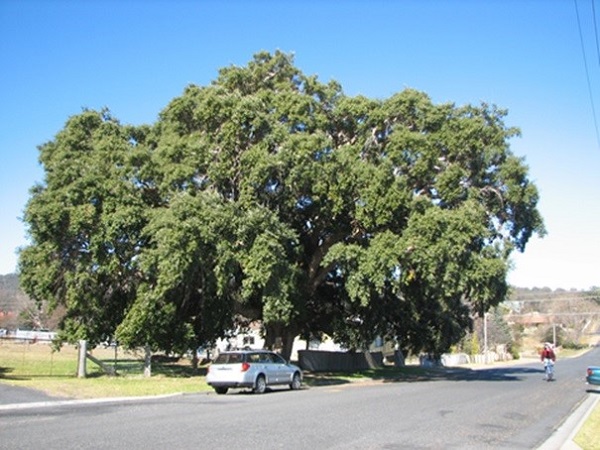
[254,369]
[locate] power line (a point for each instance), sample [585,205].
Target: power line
[596,30]
[541,298]
[538,314]
[587,73]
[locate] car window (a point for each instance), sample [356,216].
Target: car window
[254,357]
[229,358]
[265,358]
[277,358]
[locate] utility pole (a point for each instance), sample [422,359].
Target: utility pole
[485,339]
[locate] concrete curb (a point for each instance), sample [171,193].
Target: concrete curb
[88,401]
[563,437]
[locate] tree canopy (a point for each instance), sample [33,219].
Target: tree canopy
[271,195]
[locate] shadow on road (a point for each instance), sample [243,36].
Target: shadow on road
[491,374]
[465,374]
[410,374]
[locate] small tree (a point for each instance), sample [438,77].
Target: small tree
[552,332]
[471,344]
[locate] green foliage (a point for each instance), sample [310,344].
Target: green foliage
[85,223]
[515,351]
[470,344]
[570,345]
[270,195]
[475,348]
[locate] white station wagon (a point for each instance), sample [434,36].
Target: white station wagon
[255,369]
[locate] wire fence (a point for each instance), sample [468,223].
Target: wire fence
[27,358]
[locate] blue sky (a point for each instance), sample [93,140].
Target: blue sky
[58,57]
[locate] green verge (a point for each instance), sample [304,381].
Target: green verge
[587,436]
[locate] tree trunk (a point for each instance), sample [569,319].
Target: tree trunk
[280,338]
[288,344]
[195,359]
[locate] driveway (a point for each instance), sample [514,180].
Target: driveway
[16,394]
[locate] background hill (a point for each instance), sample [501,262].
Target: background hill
[569,318]
[12,299]
[17,310]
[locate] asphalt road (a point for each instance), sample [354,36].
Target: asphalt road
[500,408]
[15,395]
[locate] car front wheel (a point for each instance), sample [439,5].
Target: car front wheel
[261,385]
[221,390]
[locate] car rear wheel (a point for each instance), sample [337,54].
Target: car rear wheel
[261,385]
[296,382]
[221,390]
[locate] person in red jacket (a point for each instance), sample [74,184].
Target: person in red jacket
[548,358]
[548,353]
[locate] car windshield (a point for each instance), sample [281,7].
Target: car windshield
[278,359]
[229,358]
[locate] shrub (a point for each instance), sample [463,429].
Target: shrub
[571,345]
